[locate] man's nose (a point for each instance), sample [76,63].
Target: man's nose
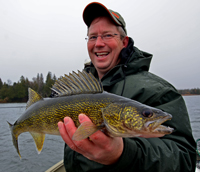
[99,41]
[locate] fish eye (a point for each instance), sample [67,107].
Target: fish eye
[147,113]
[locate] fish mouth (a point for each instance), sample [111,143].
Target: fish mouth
[156,127]
[163,130]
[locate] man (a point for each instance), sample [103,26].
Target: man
[123,70]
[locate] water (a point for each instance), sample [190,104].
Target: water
[53,145]
[193,105]
[52,151]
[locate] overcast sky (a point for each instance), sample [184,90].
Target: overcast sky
[37,36]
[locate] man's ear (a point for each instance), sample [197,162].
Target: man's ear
[125,41]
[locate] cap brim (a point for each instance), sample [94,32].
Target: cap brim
[94,10]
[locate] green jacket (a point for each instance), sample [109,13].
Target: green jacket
[174,152]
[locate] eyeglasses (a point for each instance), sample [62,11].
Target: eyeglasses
[105,37]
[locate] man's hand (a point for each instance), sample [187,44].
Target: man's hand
[100,148]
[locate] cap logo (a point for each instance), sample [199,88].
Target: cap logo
[115,14]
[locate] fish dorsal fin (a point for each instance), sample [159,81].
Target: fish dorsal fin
[77,83]
[33,97]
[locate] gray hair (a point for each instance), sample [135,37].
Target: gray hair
[122,32]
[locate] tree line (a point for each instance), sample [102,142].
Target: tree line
[18,92]
[194,91]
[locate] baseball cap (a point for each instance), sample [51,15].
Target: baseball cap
[96,9]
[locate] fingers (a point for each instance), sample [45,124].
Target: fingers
[99,148]
[105,150]
[83,118]
[63,132]
[67,129]
[99,138]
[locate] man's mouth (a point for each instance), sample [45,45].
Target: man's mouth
[102,54]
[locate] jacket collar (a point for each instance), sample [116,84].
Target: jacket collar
[132,61]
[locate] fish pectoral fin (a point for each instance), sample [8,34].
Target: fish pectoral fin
[84,131]
[39,140]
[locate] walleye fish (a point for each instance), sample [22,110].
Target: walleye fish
[79,93]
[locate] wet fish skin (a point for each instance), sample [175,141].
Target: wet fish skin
[125,119]
[42,117]
[81,93]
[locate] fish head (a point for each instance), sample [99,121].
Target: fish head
[133,119]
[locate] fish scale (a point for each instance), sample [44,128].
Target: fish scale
[79,93]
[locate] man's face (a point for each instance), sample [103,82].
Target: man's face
[104,54]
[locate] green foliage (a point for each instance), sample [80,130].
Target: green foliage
[1,83]
[49,82]
[18,92]
[4,91]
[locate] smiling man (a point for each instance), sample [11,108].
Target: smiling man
[105,43]
[123,70]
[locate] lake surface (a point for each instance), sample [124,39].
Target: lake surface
[193,105]
[53,148]
[52,151]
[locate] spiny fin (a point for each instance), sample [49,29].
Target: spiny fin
[77,83]
[33,97]
[84,131]
[39,140]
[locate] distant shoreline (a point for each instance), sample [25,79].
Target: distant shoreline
[190,94]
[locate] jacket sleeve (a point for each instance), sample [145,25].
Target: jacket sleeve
[174,152]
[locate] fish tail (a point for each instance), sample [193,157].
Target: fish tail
[14,138]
